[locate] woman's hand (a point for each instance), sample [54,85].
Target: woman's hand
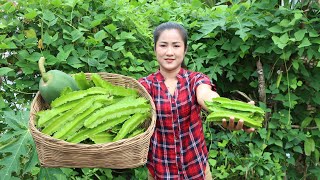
[240,125]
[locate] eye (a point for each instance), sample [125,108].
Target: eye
[162,45]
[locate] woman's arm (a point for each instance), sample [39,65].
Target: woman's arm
[204,93]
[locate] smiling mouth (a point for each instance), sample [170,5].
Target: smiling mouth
[169,60]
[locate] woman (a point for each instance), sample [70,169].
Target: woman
[177,148]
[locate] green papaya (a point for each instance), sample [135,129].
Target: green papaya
[53,82]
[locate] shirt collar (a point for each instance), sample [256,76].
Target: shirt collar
[160,77]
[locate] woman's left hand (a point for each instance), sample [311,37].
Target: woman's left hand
[231,125]
[240,125]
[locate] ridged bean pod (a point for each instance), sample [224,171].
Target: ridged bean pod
[130,125]
[74,95]
[102,137]
[82,82]
[224,108]
[217,117]
[45,116]
[89,132]
[112,89]
[122,107]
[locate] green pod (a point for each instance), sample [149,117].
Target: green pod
[132,110]
[103,137]
[47,115]
[130,125]
[89,132]
[136,132]
[218,109]
[77,123]
[113,89]
[82,81]
[237,105]
[78,95]
[60,122]
[217,117]
[125,106]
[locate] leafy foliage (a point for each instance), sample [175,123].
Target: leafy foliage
[17,146]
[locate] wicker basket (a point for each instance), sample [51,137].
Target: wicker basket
[122,154]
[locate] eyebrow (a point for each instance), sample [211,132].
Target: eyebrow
[177,42]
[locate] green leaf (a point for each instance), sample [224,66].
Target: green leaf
[5,70]
[126,35]
[209,26]
[76,34]
[295,64]
[309,146]
[17,142]
[118,45]
[196,46]
[47,39]
[31,14]
[297,149]
[3,104]
[297,15]
[111,28]
[299,35]
[100,35]
[284,38]
[316,156]
[317,120]
[196,3]
[51,173]
[30,33]
[4,46]
[286,55]
[278,42]
[284,23]
[260,49]
[212,162]
[278,143]
[275,29]
[48,15]
[288,145]
[316,98]
[71,3]
[313,33]
[64,52]
[243,33]
[306,122]
[223,143]
[3,26]
[305,42]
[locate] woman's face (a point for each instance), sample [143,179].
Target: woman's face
[170,50]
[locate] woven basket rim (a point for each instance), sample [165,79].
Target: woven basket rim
[149,130]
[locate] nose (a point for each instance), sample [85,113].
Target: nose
[169,50]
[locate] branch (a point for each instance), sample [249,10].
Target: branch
[261,87]
[298,127]
[243,94]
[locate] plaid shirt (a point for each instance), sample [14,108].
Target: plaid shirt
[177,148]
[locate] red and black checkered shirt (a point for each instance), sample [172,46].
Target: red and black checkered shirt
[177,147]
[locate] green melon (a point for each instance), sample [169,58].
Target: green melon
[53,82]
